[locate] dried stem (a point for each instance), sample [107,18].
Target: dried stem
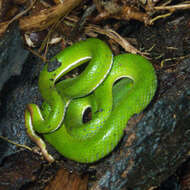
[4,25]
[12,142]
[114,36]
[47,17]
[172,8]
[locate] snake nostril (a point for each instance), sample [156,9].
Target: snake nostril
[53,65]
[87,115]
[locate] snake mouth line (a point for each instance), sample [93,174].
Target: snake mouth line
[71,65]
[75,72]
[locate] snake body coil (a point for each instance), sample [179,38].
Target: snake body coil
[113,93]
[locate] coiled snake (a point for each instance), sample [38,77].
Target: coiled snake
[113,88]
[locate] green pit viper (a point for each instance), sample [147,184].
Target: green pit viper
[113,88]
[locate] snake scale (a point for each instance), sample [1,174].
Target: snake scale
[113,88]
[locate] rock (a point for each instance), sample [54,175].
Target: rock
[12,54]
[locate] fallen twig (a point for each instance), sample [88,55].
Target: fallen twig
[173,8]
[114,36]
[170,9]
[19,145]
[47,17]
[4,25]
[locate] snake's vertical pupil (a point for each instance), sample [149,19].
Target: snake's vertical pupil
[87,115]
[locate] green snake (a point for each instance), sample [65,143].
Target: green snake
[113,89]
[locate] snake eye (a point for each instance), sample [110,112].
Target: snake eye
[53,65]
[87,115]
